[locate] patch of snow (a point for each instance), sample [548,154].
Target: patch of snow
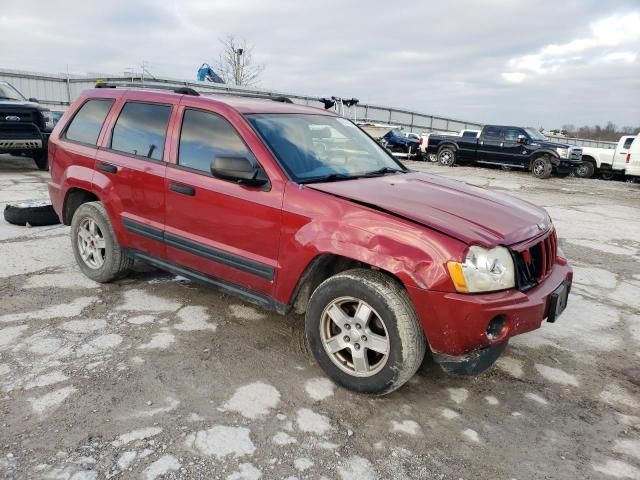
[83,326]
[253,400]
[536,398]
[172,404]
[141,319]
[139,434]
[140,301]
[282,438]
[319,388]
[71,278]
[246,471]
[126,459]
[604,247]
[617,469]
[65,310]
[491,400]
[4,369]
[43,345]
[312,422]
[449,414]
[51,401]
[46,379]
[594,277]
[160,340]
[458,395]
[628,447]
[9,335]
[471,435]
[100,344]
[302,464]
[627,294]
[357,468]
[615,394]
[165,464]
[220,441]
[246,312]
[556,375]
[409,427]
[194,318]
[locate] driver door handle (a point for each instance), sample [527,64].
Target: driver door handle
[183,189]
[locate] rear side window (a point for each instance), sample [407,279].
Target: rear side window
[492,132]
[468,134]
[627,143]
[87,123]
[140,129]
[205,135]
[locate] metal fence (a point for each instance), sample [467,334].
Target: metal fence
[61,89]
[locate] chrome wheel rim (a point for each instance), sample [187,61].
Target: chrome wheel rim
[581,171]
[91,244]
[446,158]
[354,337]
[538,168]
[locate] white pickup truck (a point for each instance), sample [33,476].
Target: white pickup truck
[631,161]
[608,162]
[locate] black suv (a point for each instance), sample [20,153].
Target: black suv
[25,125]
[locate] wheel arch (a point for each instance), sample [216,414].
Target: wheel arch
[75,197]
[448,144]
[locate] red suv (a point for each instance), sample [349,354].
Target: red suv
[296,208]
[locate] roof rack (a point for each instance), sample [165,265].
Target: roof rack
[191,91]
[180,90]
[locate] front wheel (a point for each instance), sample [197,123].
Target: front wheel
[585,170]
[447,157]
[42,160]
[541,167]
[363,331]
[94,244]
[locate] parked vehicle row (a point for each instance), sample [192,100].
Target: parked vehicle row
[294,208]
[608,163]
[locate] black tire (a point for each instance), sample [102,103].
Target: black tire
[36,214]
[585,170]
[541,167]
[41,158]
[607,174]
[447,156]
[116,263]
[401,329]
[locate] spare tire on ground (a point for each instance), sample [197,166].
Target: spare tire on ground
[36,214]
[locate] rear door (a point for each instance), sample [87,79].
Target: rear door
[490,144]
[217,227]
[130,169]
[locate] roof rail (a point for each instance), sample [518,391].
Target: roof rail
[180,90]
[279,98]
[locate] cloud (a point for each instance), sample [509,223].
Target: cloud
[616,31]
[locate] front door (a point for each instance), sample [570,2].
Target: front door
[512,152]
[217,227]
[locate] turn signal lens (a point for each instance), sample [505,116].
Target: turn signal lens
[457,276]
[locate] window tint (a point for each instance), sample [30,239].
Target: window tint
[511,134]
[140,129]
[87,123]
[468,134]
[206,135]
[628,142]
[492,132]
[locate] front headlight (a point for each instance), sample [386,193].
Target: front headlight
[563,152]
[483,270]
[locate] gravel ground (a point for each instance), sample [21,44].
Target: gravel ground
[155,376]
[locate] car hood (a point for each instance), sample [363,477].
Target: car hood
[552,145]
[19,103]
[468,213]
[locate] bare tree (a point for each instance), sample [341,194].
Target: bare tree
[236,65]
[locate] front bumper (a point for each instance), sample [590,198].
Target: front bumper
[455,324]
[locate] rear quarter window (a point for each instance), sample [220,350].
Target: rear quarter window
[86,124]
[141,129]
[627,143]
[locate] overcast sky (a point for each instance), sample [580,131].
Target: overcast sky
[529,62]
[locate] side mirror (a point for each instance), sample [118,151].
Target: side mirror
[34,100]
[522,139]
[238,169]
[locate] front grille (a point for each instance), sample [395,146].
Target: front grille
[14,131]
[534,263]
[575,154]
[24,116]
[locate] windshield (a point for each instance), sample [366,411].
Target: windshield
[321,147]
[534,134]
[9,92]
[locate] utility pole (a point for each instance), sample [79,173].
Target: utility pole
[237,66]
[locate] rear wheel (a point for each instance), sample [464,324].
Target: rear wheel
[363,331]
[585,170]
[94,244]
[447,156]
[541,167]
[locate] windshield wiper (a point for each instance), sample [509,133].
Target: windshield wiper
[2,97]
[382,171]
[333,177]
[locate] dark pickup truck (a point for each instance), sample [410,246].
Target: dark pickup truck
[512,147]
[25,125]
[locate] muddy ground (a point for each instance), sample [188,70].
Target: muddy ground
[157,376]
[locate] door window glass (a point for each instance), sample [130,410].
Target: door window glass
[140,129]
[87,123]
